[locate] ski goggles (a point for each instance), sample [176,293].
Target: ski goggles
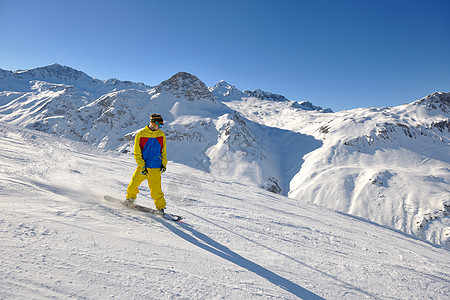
[159,124]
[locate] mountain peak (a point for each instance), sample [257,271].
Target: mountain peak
[225,91]
[306,105]
[437,100]
[222,86]
[187,85]
[5,73]
[223,83]
[262,95]
[55,71]
[184,76]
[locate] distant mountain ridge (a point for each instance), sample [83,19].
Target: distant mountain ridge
[225,92]
[389,165]
[54,71]
[58,74]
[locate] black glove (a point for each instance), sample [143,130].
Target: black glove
[144,171]
[163,168]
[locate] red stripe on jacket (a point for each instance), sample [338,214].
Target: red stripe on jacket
[142,142]
[161,141]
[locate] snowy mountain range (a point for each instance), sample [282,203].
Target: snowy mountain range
[387,165]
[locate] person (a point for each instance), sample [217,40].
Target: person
[151,158]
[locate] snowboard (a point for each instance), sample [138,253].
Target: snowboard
[138,207]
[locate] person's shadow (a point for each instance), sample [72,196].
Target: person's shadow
[206,243]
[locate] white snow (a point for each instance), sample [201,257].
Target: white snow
[59,239]
[367,214]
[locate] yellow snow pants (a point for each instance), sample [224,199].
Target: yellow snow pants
[154,183]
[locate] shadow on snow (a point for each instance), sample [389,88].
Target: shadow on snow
[206,243]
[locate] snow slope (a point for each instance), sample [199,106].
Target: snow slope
[61,240]
[387,165]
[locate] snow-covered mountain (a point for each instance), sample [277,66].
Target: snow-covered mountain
[226,92]
[201,131]
[388,165]
[23,80]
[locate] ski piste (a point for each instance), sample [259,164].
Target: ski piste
[138,207]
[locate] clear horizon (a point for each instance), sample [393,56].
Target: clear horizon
[340,55]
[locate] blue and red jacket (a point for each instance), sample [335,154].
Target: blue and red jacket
[150,148]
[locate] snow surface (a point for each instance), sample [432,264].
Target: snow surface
[61,240]
[387,165]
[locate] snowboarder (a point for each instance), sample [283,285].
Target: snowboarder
[151,157]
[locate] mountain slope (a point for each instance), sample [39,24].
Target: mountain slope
[201,132]
[61,240]
[387,165]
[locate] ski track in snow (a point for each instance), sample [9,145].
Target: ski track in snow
[61,240]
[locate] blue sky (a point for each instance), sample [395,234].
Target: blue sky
[338,54]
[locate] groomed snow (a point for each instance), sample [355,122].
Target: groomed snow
[59,239]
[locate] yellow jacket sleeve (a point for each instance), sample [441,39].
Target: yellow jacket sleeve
[138,152]
[164,152]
